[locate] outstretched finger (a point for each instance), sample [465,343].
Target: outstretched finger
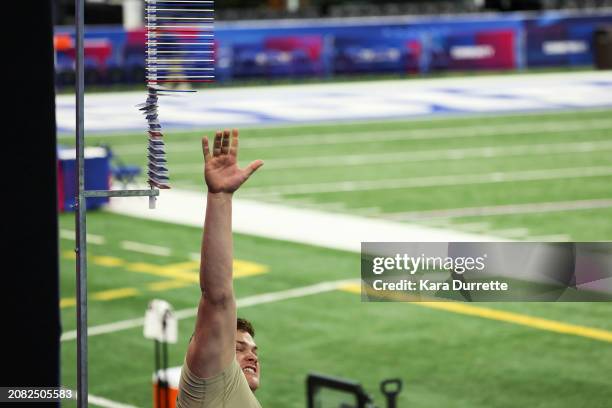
[225,143]
[217,145]
[252,168]
[205,149]
[234,148]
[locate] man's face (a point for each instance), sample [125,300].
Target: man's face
[246,356]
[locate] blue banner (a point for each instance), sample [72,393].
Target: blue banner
[323,48]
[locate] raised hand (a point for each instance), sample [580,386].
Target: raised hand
[221,171]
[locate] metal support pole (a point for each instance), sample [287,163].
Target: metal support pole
[81,209]
[157,375]
[165,361]
[80,213]
[122,193]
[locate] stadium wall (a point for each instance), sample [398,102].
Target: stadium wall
[324,48]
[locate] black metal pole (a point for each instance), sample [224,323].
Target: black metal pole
[157,376]
[165,358]
[80,213]
[166,382]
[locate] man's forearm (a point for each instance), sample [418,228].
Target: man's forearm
[212,347]
[217,250]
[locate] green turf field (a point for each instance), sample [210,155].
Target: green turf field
[536,176]
[445,359]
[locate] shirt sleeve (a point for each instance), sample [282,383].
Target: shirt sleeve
[228,389]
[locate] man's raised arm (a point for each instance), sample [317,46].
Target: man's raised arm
[212,347]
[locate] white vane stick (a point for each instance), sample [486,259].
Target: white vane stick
[179,47]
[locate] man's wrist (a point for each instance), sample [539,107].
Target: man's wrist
[220,196]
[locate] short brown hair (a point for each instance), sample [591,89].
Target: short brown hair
[241,324]
[244,325]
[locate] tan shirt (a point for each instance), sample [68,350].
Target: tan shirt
[228,389]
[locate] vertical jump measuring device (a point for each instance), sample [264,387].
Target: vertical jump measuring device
[179,49]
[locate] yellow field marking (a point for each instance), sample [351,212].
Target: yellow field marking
[107,261]
[509,317]
[189,271]
[241,268]
[246,268]
[97,259]
[181,274]
[103,296]
[187,265]
[69,254]
[67,302]
[164,285]
[166,271]
[115,294]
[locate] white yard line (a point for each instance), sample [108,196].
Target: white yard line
[105,328]
[95,239]
[436,222]
[241,303]
[565,126]
[126,245]
[549,238]
[432,155]
[337,206]
[91,238]
[145,248]
[106,403]
[473,226]
[428,133]
[515,233]
[510,209]
[67,234]
[102,402]
[485,152]
[276,221]
[367,211]
[431,181]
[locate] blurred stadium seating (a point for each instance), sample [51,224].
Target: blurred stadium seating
[400,43]
[109,11]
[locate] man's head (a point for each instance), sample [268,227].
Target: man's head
[246,353]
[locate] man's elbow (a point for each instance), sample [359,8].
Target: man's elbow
[221,299]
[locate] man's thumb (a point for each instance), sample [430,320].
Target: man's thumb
[251,168]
